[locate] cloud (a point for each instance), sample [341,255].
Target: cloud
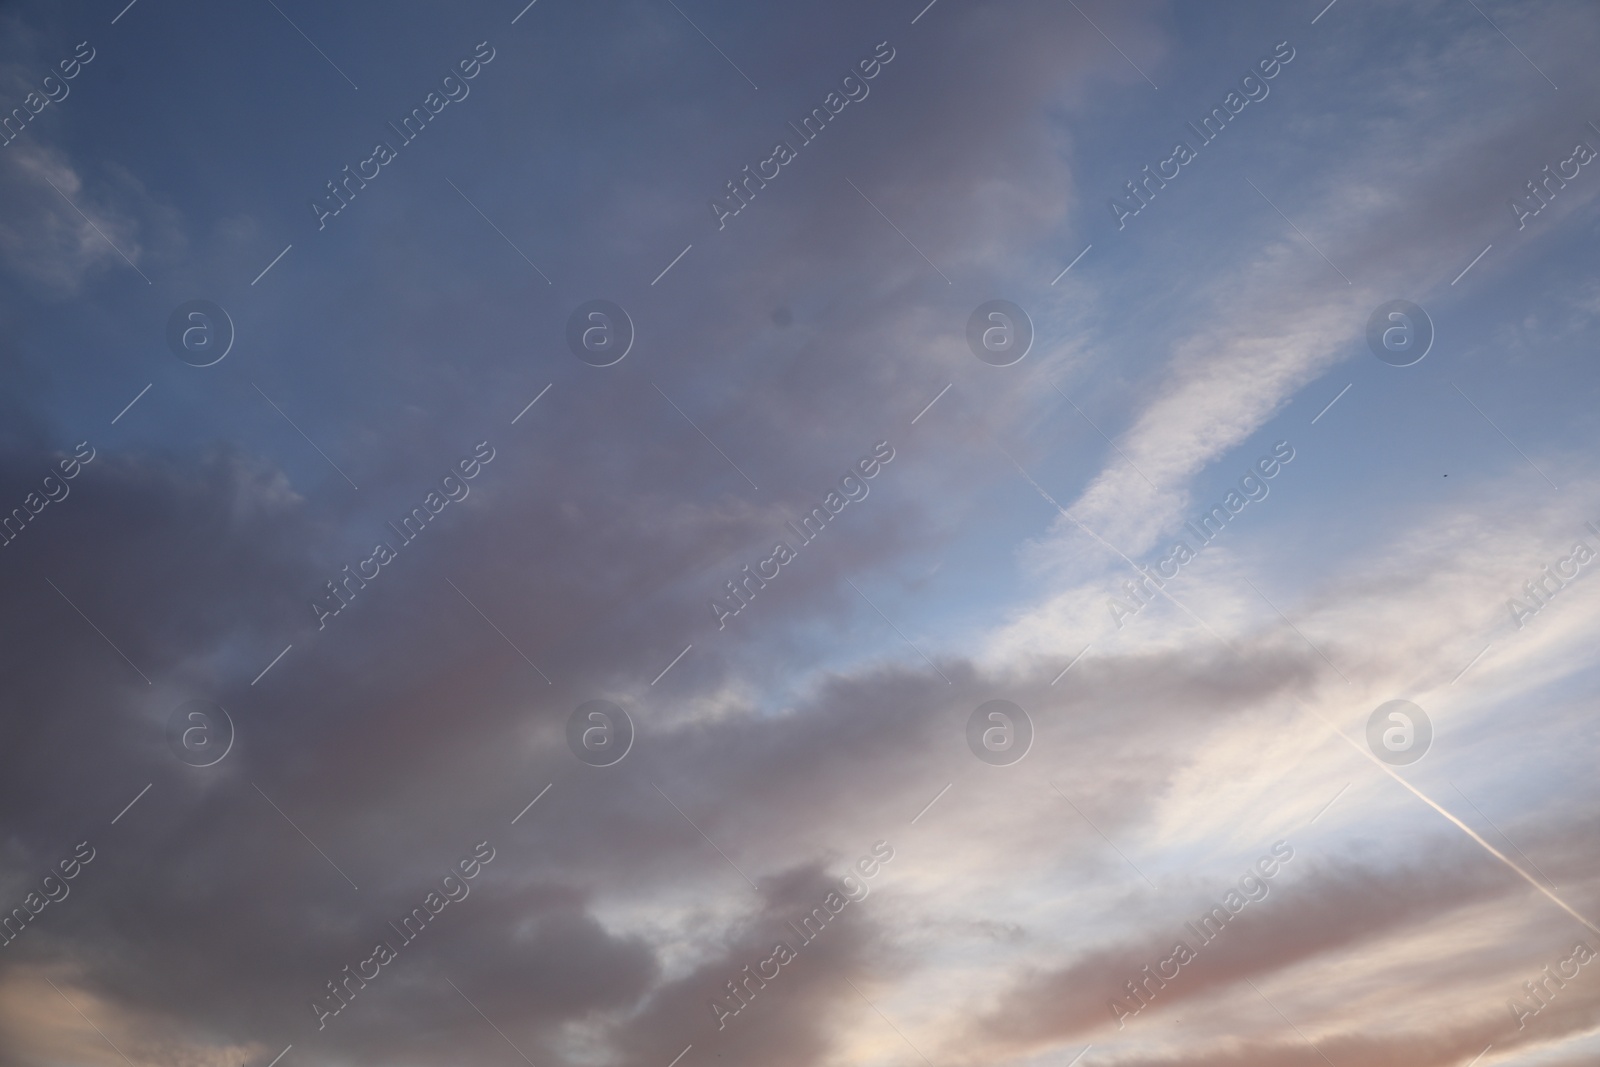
[378,749]
[48,243]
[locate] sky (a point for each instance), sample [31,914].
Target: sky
[516,549]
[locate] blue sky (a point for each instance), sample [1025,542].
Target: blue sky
[373,749]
